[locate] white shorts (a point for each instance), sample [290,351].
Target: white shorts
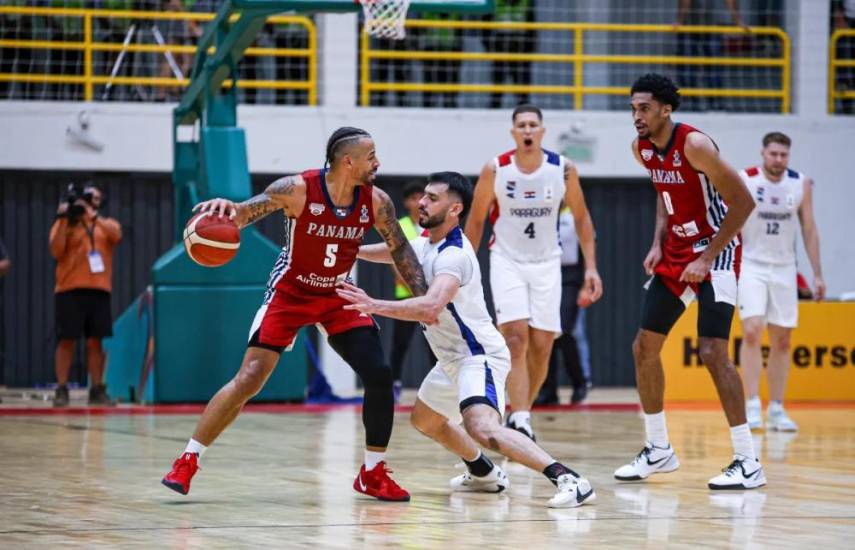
[769,291]
[527,291]
[451,387]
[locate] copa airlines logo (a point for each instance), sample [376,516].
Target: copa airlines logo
[666,176]
[647,154]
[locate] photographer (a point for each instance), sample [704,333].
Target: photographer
[82,243]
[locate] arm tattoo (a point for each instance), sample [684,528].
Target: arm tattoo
[402,253]
[261,205]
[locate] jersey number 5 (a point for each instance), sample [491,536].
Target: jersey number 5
[529,230]
[329,258]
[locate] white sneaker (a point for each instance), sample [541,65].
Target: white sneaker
[523,427]
[494,482]
[572,491]
[754,413]
[777,419]
[742,473]
[651,460]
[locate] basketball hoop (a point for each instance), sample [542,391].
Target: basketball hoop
[385,18]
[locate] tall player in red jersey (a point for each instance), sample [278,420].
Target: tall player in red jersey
[327,212]
[701,205]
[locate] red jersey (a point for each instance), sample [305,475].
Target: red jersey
[695,209]
[322,242]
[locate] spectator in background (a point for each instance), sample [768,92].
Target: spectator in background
[572,278]
[843,12]
[402,331]
[5,266]
[511,41]
[82,242]
[699,44]
[390,70]
[441,71]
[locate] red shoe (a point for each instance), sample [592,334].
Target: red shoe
[183,470]
[377,483]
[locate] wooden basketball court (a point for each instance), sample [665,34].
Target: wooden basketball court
[281,477]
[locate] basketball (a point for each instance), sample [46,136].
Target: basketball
[211,240]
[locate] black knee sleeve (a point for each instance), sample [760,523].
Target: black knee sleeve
[361,349]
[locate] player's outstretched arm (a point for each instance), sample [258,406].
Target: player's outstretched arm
[406,262]
[575,199]
[376,253]
[703,155]
[424,309]
[287,193]
[810,234]
[481,200]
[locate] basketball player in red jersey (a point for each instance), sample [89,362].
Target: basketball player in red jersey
[327,212]
[701,205]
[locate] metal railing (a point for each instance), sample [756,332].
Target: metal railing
[578,60]
[86,74]
[834,64]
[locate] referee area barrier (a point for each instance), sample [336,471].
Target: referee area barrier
[822,356]
[577,63]
[71,59]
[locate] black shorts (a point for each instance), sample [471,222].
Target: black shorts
[83,312]
[661,309]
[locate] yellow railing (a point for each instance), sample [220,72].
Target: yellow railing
[89,79]
[577,60]
[834,64]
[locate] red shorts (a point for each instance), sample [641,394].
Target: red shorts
[277,322]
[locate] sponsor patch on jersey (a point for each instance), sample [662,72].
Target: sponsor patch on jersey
[316,208]
[530,194]
[647,154]
[677,161]
[700,245]
[363,215]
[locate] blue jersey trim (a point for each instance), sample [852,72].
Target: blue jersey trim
[475,347]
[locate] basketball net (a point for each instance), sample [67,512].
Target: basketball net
[385,18]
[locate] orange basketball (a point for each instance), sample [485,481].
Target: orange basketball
[211,240]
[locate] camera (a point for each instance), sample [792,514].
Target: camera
[75,193]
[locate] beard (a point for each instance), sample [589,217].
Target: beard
[432,221]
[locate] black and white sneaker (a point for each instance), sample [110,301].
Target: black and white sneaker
[742,473]
[651,460]
[523,428]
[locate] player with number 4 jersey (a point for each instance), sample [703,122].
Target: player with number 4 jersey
[523,191]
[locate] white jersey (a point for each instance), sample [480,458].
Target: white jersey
[525,213]
[769,234]
[464,328]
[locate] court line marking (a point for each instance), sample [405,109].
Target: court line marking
[413,523]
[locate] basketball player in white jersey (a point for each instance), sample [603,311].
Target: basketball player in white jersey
[468,382]
[523,190]
[767,285]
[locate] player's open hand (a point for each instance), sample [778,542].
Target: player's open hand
[696,271]
[652,260]
[359,300]
[592,290]
[219,207]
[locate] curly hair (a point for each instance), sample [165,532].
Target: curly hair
[660,87]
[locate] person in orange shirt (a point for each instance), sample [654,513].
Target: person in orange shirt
[82,242]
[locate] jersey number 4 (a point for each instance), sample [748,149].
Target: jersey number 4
[329,257]
[529,230]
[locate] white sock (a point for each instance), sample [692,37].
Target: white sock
[742,443]
[657,431]
[372,459]
[194,446]
[520,417]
